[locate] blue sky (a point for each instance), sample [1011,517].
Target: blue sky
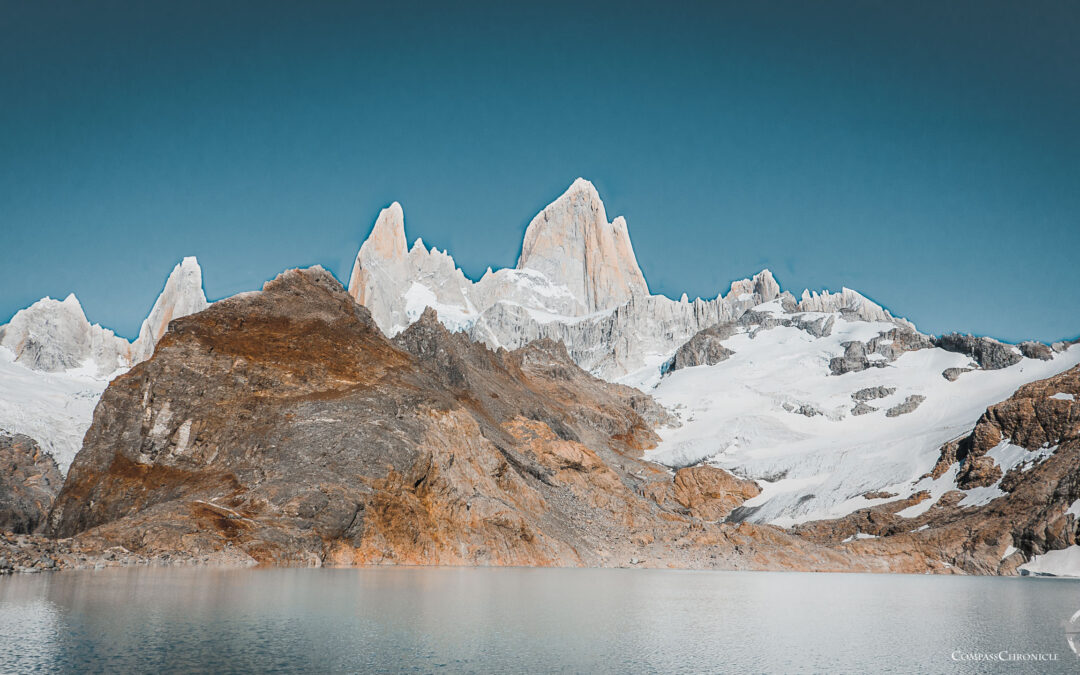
[924,153]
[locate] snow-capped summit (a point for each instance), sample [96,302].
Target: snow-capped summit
[572,243]
[54,336]
[183,294]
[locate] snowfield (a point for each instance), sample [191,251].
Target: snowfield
[55,409]
[734,416]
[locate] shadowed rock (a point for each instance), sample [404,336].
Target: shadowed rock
[29,481]
[987,352]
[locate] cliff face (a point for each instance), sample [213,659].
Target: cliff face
[572,243]
[282,427]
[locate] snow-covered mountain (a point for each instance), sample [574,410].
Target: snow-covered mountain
[577,281]
[54,364]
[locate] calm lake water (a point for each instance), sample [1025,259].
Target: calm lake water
[527,620]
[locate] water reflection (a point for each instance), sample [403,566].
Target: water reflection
[518,620]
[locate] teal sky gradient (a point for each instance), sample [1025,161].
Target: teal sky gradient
[924,153]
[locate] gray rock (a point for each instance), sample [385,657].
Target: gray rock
[29,482]
[893,343]
[953,374]
[987,352]
[704,349]
[871,393]
[910,404]
[819,327]
[807,411]
[1036,350]
[862,409]
[854,359]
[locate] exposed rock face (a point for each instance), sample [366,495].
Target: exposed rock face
[1036,350]
[53,336]
[862,408]
[909,404]
[879,351]
[861,397]
[854,359]
[381,263]
[573,245]
[871,393]
[704,349]
[953,374]
[183,294]
[282,427]
[29,481]
[987,352]
[710,493]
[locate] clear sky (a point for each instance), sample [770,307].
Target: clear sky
[925,153]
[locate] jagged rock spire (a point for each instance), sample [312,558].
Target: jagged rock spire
[183,294]
[572,243]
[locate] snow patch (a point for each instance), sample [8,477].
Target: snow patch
[1061,563]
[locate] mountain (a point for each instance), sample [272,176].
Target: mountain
[55,336]
[283,427]
[54,364]
[769,429]
[577,281]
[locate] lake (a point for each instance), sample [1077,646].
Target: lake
[530,620]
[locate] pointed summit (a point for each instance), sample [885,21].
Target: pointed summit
[572,243]
[183,294]
[385,247]
[387,238]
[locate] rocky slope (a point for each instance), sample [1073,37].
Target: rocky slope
[29,482]
[282,427]
[1003,495]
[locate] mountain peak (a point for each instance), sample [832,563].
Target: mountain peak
[183,294]
[572,243]
[387,238]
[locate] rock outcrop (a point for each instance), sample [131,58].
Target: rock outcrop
[29,482]
[706,348]
[987,352]
[282,427]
